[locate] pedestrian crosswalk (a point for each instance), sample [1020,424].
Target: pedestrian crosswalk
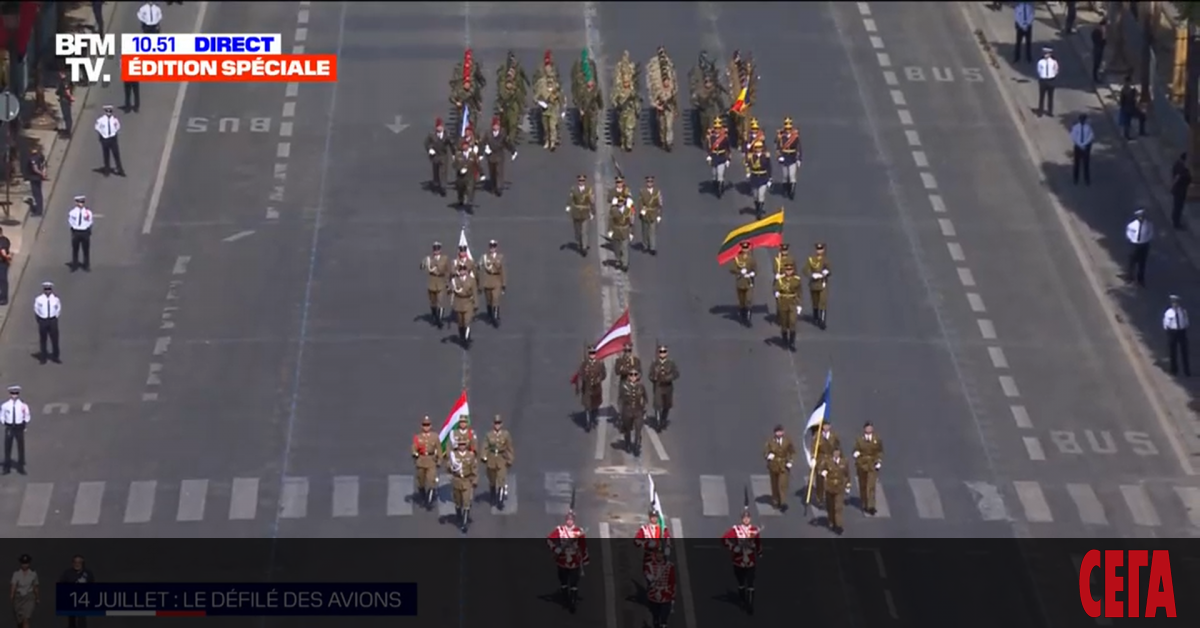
[348,497]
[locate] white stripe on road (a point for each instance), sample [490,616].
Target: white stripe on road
[301,34]
[876,42]
[1009,386]
[913,138]
[938,204]
[291,90]
[283,151]
[956,252]
[302,17]
[345,496]
[601,438]
[760,487]
[1034,502]
[401,489]
[976,302]
[928,181]
[864,8]
[657,444]
[289,109]
[1139,505]
[35,504]
[885,60]
[181,264]
[947,228]
[929,503]
[139,507]
[989,501]
[921,159]
[193,495]
[714,496]
[898,98]
[1091,511]
[293,503]
[905,117]
[986,329]
[890,78]
[966,277]
[243,499]
[1021,416]
[999,360]
[285,129]
[558,486]
[1033,447]
[88,498]
[870,25]
[1190,496]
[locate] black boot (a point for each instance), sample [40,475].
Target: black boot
[663,419]
[792,340]
[822,319]
[441,318]
[433,313]
[750,601]
[491,313]
[462,335]
[792,191]
[496,316]
[784,337]
[458,513]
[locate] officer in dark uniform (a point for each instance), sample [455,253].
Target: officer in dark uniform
[758,164]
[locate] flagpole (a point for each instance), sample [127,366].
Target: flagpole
[812,474]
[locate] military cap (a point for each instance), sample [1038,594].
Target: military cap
[426,421]
[1139,213]
[591,349]
[650,178]
[437,124]
[754,123]
[820,246]
[619,180]
[466,418]
[628,348]
[1047,49]
[462,247]
[79,198]
[465,143]
[787,123]
[581,178]
[497,419]
[789,266]
[14,390]
[547,59]
[47,285]
[493,244]
[758,143]
[495,122]
[108,108]
[785,246]
[1175,297]
[662,348]
[778,428]
[745,246]
[718,124]
[437,246]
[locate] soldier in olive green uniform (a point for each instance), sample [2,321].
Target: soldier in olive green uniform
[463,289]
[779,453]
[581,205]
[464,477]
[817,271]
[437,266]
[787,298]
[498,456]
[836,475]
[829,442]
[494,280]
[620,223]
[466,173]
[464,261]
[663,374]
[633,412]
[427,455]
[586,92]
[589,382]
[466,89]
[650,214]
[783,257]
[868,459]
[627,362]
[548,93]
[743,269]
[495,146]
[626,100]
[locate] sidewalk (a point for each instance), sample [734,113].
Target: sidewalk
[1125,177]
[22,229]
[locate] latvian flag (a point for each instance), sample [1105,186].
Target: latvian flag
[619,335]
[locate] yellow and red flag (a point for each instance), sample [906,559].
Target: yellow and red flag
[740,103]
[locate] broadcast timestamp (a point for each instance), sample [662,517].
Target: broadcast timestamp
[247,600]
[194,44]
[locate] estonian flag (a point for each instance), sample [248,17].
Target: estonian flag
[819,416]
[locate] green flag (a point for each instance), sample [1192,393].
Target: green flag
[587,67]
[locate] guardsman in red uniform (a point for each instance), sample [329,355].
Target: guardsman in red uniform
[744,542]
[569,544]
[787,141]
[660,589]
[654,541]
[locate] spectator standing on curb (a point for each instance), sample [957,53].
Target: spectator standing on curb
[37,175]
[1023,20]
[1139,232]
[1069,22]
[66,101]
[25,591]
[77,573]
[1099,42]
[1130,108]
[1047,71]
[6,258]
[1181,182]
[1175,323]
[1082,137]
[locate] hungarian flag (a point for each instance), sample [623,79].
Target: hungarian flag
[459,412]
[740,103]
[660,520]
[767,232]
[619,335]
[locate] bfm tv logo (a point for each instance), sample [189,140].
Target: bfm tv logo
[1159,594]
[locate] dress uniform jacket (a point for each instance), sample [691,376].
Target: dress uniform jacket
[789,293]
[459,435]
[582,204]
[627,363]
[837,477]
[663,374]
[569,544]
[494,147]
[830,442]
[783,454]
[746,262]
[470,164]
[493,271]
[661,581]
[759,166]
[633,401]
[464,476]
[426,450]
[789,146]
[592,374]
[463,288]
[441,146]
[718,147]
[651,205]
[744,544]
[782,259]
[867,453]
[438,267]
[464,261]
[620,222]
[498,450]
[817,266]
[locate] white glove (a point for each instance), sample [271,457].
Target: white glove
[643,212]
[568,210]
[463,171]
[824,473]
[659,219]
[770,456]
[856,452]
[483,177]
[752,273]
[487,150]
[877,465]
[776,295]
[708,159]
[781,160]
[798,310]
[816,276]
[789,465]
[543,105]
[432,152]
[745,272]
[616,201]
[825,273]
[629,202]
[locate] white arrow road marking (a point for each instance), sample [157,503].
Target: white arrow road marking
[238,236]
[398,126]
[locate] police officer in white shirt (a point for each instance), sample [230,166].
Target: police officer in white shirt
[1139,233]
[1023,20]
[108,126]
[80,219]
[150,15]
[1082,136]
[14,414]
[1175,323]
[1047,71]
[46,308]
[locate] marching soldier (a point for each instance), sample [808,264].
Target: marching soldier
[707,100]
[464,477]
[512,70]
[495,146]
[650,215]
[744,269]
[548,69]
[744,542]
[620,223]
[718,155]
[755,135]
[787,296]
[660,589]
[438,268]
[466,88]
[663,374]
[498,456]
[654,542]
[588,99]
[627,362]
[633,412]
[836,475]
[464,261]
[427,456]
[581,205]
[868,459]
[825,442]
[495,281]
[466,172]
[779,452]
[569,544]
[758,166]
[817,269]
[788,143]
[783,258]
[589,382]
[462,433]
[463,289]
[439,147]
[510,105]
[547,91]
[626,100]
[660,83]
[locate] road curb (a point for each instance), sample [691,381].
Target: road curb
[31,227]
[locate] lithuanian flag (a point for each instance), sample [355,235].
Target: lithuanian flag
[767,232]
[740,103]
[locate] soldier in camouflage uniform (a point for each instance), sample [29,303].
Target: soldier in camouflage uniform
[547,92]
[708,94]
[661,86]
[511,97]
[466,89]
[586,92]
[626,100]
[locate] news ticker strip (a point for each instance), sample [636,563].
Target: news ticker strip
[372,599]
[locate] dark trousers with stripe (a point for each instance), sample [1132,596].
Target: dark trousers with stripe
[48,330]
[14,434]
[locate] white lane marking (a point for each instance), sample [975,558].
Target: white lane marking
[685,577]
[920,158]
[890,77]
[1021,416]
[1033,501]
[877,42]
[272,213]
[285,129]
[976,302]
[898,98]
[302,17]
[152,375]
[1033,447]
[714,496]
[401,489]
[885,60]
[965,276]
[301,34]
[298,49]
[870,25]
[293,502]
[956,252]
[1091,511]
[151,396]
[928,180]
[905,117]
[1009,385]
[181,263]
[929,503]
[284,150]
[864,8]
[913,138]
[243,499]
[938,204]
[289,109]
[657,444]
[989,501]
[291,90]
[1190,496]
[947,227]
[1140,506]
[999,360]
[345,496]
[172,130]
[88,499]
[193,496]
[161,345]
[238,236]
[601,438]
[139,506]
[987,329]
[35,504]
